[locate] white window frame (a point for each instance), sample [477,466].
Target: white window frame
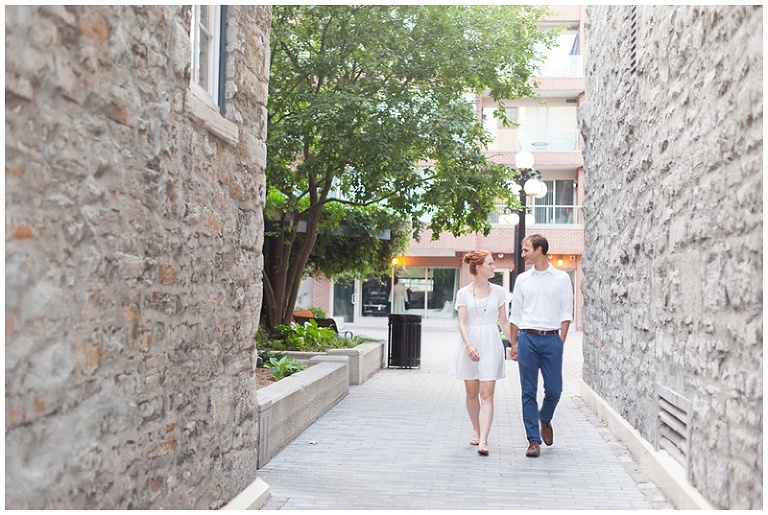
[555,204]
[493,124]
[209,90]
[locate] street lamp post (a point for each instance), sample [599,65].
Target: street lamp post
[530,185]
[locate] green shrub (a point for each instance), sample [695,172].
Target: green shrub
[268,354]
[283,367]
[265,340]
[352,341]
[318,311]
[307,337]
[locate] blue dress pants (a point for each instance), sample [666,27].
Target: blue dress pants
[534,353]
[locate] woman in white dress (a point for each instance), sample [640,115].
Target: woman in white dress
[397,297]
[479,359]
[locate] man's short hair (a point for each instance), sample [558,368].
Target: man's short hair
[537,240]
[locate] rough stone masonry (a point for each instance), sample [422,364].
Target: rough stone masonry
[673,286]
[133,259]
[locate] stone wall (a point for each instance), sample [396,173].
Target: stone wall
[674,230]
[133,259]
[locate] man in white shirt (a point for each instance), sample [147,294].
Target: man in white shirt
[540,314]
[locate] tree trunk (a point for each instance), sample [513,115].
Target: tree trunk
[285,260]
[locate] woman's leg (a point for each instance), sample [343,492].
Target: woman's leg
[473,404]
[486,409]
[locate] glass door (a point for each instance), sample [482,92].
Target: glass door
[343,300]
[443,286]
[501,277]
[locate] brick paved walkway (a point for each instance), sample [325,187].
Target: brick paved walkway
[400,441]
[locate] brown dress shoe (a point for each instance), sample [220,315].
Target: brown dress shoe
[546,433]
[533,449]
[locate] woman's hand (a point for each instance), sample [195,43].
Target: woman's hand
[473,354]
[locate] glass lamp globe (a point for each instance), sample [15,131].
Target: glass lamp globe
[514,218]
[542,190]
[532,187]
[524,160]
[530,219]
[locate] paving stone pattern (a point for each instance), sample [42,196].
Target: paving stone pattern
[401,441]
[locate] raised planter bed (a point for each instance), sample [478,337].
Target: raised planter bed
[287,407]
[364,360]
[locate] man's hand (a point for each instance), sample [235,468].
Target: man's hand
[513,351]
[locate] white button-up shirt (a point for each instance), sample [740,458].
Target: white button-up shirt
[541,300]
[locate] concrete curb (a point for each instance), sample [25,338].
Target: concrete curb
[660,467]
[252,498]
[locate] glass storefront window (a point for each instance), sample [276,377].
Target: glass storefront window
[431,292]
[375,293]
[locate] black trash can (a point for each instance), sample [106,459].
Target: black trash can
[404,341]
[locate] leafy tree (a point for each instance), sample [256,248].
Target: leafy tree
[369,131]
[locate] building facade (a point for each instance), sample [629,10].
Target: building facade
[673,260]
[134,188]
[434,270]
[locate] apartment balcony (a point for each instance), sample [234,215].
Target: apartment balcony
[563,228]
[552,149]
[562,66]
[549,141]
[554,216]
[515,140]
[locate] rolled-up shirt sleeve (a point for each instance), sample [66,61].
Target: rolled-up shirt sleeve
[516,305]
[566,305]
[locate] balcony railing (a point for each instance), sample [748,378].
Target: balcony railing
[562,66]
[514,139]
[549,141]
[544,215]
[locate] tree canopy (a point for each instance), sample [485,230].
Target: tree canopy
[370,131]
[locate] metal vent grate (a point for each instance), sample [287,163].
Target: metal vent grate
[632,39]
[673,431]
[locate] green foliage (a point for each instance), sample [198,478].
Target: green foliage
[262,338]
[370,138]
[318,311]
[357,241]
[283,367]
[267,354]
[303,337]
[354,340]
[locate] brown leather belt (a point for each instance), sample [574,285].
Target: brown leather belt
[540,333]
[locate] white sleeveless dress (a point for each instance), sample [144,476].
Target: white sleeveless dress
[483,329]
